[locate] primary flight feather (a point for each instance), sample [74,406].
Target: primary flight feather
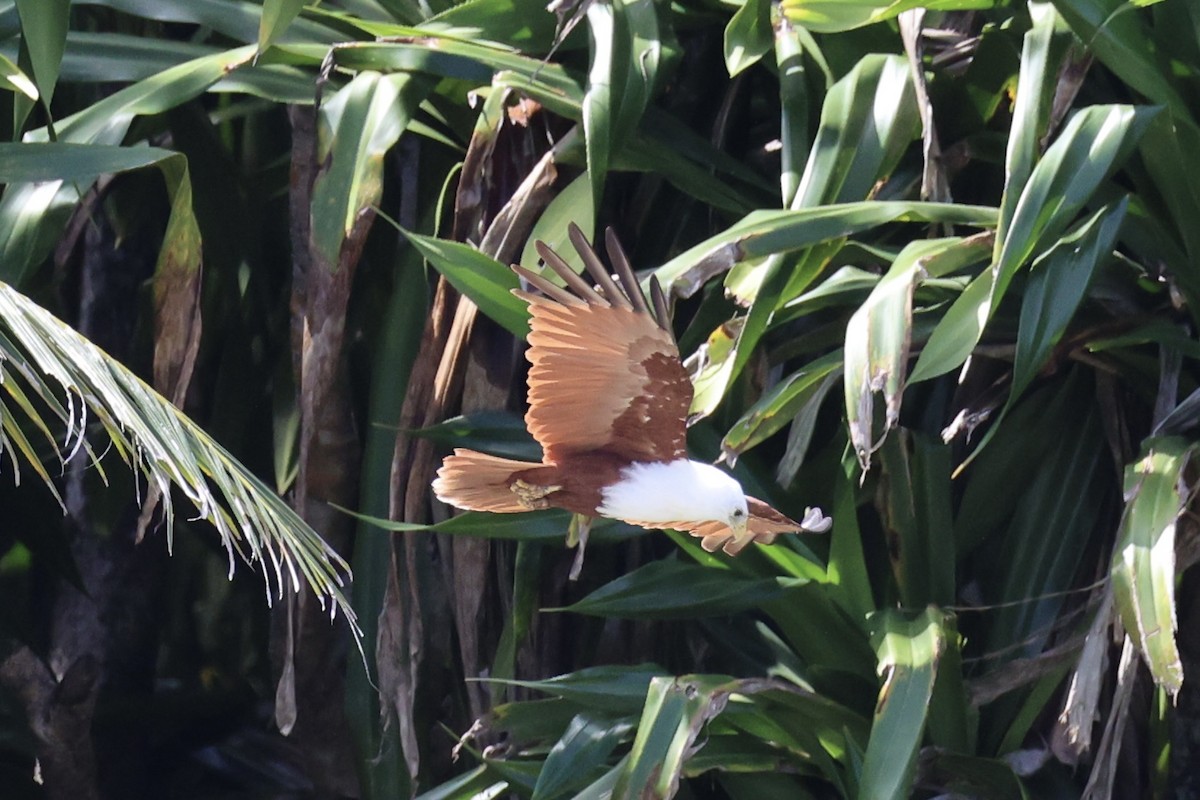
[608,403]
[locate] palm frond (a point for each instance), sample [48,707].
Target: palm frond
[157,440]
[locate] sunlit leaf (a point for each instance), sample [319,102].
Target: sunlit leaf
[1118,38]
[879,334]
[1093,144]
[358,126]
[676,708]
[12,76]
[606,73]
[276,16]
[747,36]
[483,280]
[778,407]
[1144,556]
[1030,111]
[832,16]
[909,651]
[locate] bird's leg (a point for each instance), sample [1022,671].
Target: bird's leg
[577,536]
[531,495]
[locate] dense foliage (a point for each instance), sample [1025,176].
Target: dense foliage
[935,270]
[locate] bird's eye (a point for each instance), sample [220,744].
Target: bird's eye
[739,513]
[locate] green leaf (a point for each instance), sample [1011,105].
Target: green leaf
[676,590]
[1057,284]
[40,162]
[585,746]
[607,70]
[12,77]
[909,650]
[834,16]
[572,204]
[32,215]
[793,105]
[236,19]
[602,788]
[653,152]
[748,36]
[1056,474]
[1119,38]
[535,526]
[974,776]
[1143,564]
[277,15]
[357,128]
[958,332]
[43,40]
[675,711]
[520,24]
[94,57]
[1058,281]
[643,50]
[479,782]
[177,272]
[449,57]
[1031,111]
[611,689]
[879,334]
[373,556]
[868,119]
[485,281]
[847,573]
[1093,143]
[1171,153]
[521,620]
[800,434]
[763,233]
[917,518]
[497,433]
[777,407]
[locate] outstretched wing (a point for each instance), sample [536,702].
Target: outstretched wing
[764,525]
[605,371]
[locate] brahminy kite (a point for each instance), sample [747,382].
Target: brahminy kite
[608,402]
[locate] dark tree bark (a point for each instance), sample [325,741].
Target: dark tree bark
[103,634]
[308,651]
[1185,723]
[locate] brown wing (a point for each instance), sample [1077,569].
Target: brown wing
[764,525]
[605,373]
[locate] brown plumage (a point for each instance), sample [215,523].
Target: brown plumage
[608,402]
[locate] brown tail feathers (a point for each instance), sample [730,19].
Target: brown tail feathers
[479,482]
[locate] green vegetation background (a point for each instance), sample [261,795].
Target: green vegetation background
[935,270]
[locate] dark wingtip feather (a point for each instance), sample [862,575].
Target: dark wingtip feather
[625,294]
[624,270]
[661,310]
[595,267]
[569,276]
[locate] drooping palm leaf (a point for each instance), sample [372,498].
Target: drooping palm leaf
[77,382]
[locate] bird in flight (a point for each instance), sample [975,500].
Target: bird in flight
[608,403]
